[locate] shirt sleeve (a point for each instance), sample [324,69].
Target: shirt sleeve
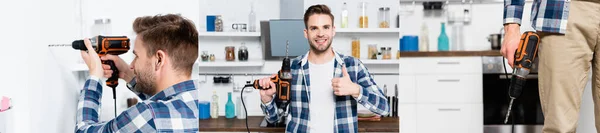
[513,11]
[138,118]
[371,96]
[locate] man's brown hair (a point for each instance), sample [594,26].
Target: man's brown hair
[172,33]
[317,9]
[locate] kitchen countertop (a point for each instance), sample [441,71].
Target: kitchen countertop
[450,53]
[222,124]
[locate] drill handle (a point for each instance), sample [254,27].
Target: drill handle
[113,80]
[274,80]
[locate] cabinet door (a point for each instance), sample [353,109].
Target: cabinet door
[450,118]
[455,89]
[406,89]
[408,118]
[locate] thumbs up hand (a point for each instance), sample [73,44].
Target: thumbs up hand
[343,86]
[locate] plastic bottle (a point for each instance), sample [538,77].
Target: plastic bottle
[252,19]
[443,41]
[344,16]
[424,38]
[214,109]
[229,107]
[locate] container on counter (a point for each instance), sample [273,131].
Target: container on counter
[241,113]
[204,109]
[230,53]
[443,41]
[219,24]
[204,56]
[372,52]
[384,17]
[229,107]
[387,53]
[243,53]
[382,53]
[356,47]
[214,106]
[363,19]
[212,57]
[424,38]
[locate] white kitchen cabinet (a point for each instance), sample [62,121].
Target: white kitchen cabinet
[450,118]
[440,95]
[407,89]
[408,118]
[457,88]
[440,65]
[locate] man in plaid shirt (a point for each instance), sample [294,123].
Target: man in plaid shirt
[570,35]
[165,49]
[326,86]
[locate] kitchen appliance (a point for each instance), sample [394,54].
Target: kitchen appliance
[275,33]
[527,116]
[495,41]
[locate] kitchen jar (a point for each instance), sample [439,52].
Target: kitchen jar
[384,17]
[372,52]
[212,57]
[356,47]
[363,19]
[204,56]
[243,53]
[219,24]
[387,52]
[230,53]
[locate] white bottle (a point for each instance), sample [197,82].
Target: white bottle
[252,19]
[214,106]
[344,16]
[424,38]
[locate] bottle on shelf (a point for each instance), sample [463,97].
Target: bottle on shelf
[345,16]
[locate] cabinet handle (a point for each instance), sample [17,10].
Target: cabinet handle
[448,80]
[448,63]
[448,109]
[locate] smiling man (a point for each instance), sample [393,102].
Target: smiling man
[331,84]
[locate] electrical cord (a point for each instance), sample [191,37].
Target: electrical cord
[245,111]
[506,74]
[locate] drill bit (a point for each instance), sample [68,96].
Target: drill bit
[509,109]
[59,45]
[287,44]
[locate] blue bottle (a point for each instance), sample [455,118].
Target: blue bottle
[443,41]
[229,107]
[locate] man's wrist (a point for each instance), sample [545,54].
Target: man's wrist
[357,90]
[511,28]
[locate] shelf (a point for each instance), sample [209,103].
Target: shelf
[229,34]
[380,62]
[222,63]
[368,30]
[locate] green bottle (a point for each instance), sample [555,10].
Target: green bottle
[443,41]
[229,107]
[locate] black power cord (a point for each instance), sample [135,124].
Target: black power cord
[245,111]
[513,115]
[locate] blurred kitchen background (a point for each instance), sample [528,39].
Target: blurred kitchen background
[455,102]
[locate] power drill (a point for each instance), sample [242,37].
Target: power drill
[282,85]
[525,56]
[103,45]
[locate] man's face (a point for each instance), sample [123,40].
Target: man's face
[319,32]
[143,68]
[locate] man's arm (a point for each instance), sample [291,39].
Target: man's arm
[270,110]
[131,85]
[370,95]
[513,11]
[134,119]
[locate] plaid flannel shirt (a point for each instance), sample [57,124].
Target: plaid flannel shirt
[171,110]
[546,15]
[345,120]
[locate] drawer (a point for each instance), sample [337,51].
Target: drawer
[408,118]
[464,88]
[440,65]
[450,118]
[406,89]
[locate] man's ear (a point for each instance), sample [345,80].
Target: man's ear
[160,58]
[305,33]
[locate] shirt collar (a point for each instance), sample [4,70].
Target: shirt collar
[338,58]
[174,90]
